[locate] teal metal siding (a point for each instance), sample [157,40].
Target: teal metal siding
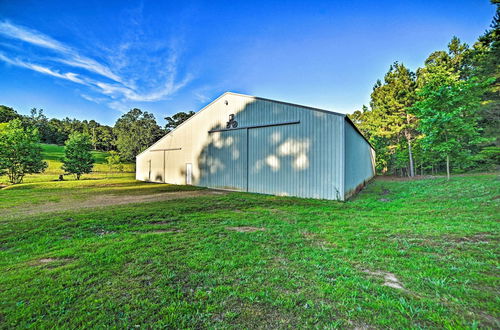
[300,156]
[359,160]
[227,161]
[278,148]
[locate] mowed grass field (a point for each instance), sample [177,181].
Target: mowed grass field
[420,254]
[53,154]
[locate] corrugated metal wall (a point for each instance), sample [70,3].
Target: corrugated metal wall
[359,160]
[303,159]
[298,160]
[226,164]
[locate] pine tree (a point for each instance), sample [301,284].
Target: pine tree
[391,118]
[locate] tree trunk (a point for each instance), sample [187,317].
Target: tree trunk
[408,137]
[410,153]
[448,167]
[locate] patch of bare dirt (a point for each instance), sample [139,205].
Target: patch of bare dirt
[102,232]
[358,326]
[489,320]
[476,238]
[384,200]
[51,261]
[161,231]
[316,240]
[245,229]
[390,279]
[105,200]
[405,178]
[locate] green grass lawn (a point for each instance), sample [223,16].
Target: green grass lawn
[53,154]
[421,254]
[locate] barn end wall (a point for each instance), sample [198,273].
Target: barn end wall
[303,159]
[359,161]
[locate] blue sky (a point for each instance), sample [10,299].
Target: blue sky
[96,59]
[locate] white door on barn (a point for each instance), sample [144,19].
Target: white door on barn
[189,173]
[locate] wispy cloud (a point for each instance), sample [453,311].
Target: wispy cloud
[113,79]
[71,56]
[41,69]
[31,36]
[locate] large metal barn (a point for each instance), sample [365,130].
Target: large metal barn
[247,143]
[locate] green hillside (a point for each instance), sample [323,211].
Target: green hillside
[53,154]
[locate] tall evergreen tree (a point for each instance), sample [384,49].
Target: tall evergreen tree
[390,104]
[486,66]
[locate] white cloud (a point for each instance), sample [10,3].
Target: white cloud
[35,67]
[118,106]
[92,98]
[72,58]
[124,84]
[31,36]
[201,97]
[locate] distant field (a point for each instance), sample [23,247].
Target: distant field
[402,254]
[53,155]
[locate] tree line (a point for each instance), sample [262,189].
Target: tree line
[442,118]
[20,138]
[21,152]
[132,133]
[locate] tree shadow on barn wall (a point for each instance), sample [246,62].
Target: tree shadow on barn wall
[295,159]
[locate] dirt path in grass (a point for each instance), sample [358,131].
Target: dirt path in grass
[104,200]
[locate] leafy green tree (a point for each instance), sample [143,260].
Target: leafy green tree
[488,158]
[38,120]
[135,131]
[177,119]
[106,139]
[455,60]
[7,114]
[90,128]
[20,151]
[114,161]
[78,158]
[448,111]
[460,121]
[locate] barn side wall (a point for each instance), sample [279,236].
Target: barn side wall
[359,161]
[304,159]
